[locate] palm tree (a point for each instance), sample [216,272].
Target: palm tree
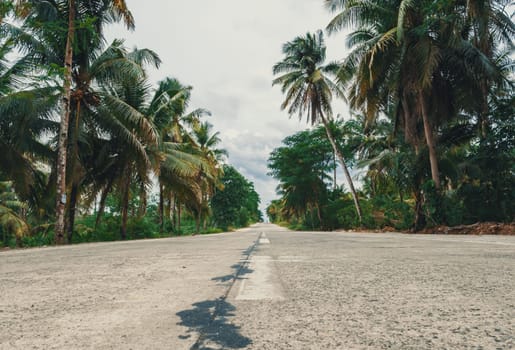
[210,175]
[122,114]
[101,12]
[412,57]
[26,116]
[208,142]
[309,90]
[180,157]
[103,102]
[490,26]
[414,61]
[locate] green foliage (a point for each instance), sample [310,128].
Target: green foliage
[237,203]
[442,74]
[451,61]
[478,176]
[13,226]
[488,188]
[398,215]
[302,166]
[340,213]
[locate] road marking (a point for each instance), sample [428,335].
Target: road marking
[264,241]
[261,283]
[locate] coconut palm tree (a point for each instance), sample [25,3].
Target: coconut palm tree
[209,141]
[26,116]
[120,115]
[101,103]
[214,157]
[412,56]
[180,157]
[309,90]
[490,27]
[414,61]
[71,12]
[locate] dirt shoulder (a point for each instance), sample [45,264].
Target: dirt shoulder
[480,228]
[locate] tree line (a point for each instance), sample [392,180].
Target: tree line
[430,88]
[84,134]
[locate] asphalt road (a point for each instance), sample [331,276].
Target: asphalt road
[263,288]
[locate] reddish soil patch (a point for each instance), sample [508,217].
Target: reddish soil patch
[480,228]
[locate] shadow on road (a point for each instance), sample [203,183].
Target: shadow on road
[209,319]
[239,271]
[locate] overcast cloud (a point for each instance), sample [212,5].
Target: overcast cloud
[225,49]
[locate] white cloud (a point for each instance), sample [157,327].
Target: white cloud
[226,49]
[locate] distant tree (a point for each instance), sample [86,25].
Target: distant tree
[274,211]
[302,167]
[237,203]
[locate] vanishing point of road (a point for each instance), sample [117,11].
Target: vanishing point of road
[263,288]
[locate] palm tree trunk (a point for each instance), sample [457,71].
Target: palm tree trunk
[428,132]
[410,123]
[125,206]
[71,211]
[335,185]
[179,217]
[142,210]
[174,213]
[420,217]
[161,208]
[197,223]
[168,207]
[102,204]
[319,215]
[73,150]
[485,109]
[344,166]
[482,41]
[63,131]
[312,219]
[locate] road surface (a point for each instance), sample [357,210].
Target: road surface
[263,288]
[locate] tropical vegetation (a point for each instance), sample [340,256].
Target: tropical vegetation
[91,150]
[430,89]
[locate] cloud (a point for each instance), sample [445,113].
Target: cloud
[226,49]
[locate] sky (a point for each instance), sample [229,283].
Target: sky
[226,49]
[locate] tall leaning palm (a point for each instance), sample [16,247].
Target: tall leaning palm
[309,89]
